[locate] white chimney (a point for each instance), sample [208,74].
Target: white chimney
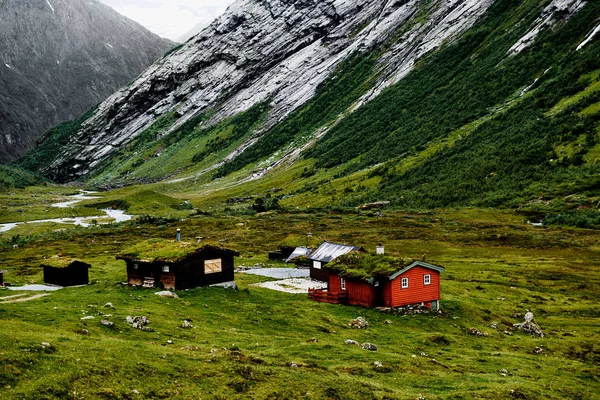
[380,249]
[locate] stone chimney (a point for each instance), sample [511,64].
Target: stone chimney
[380,249]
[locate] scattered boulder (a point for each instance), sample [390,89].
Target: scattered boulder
[359,323]
[169,341]
[377,365]
[413,309]
[107,323]
[494,325]
[538,350]
[186,324]
[87,318]
[312,340]
[530,326]
[504,372]
[293,365]
[139,323]
[388,322]
[109,305]
[375,205]
[46,346]
[166,293]
[350,341]
[369,346]
[477,332]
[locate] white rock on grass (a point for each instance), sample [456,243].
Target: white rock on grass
[166,293]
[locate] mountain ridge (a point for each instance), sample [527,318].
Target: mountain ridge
[393,101]
[59,58]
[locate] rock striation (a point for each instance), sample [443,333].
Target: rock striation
[265,50]
[61,57]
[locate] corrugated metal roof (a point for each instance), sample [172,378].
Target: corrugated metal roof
[299,252]
[330,251]
[417,264]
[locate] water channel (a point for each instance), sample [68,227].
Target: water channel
[115,215]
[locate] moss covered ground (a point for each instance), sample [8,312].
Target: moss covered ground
[244,342]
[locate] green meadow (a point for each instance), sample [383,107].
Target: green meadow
[254,343]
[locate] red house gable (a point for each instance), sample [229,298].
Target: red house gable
[417,283]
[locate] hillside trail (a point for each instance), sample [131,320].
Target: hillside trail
[20,299]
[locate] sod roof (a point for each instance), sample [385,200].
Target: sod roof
[60,262]
[371,266]
[164,250]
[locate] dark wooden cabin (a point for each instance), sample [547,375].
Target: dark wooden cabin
[2,277]
[417,283]
[205,266]
[74,273]
[326,253]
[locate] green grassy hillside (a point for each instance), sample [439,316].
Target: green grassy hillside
[471,125]
[244,342]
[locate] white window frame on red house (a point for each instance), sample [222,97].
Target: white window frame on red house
[404,283]
[427,279]
[342,283]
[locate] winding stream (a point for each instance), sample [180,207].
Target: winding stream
[116,215]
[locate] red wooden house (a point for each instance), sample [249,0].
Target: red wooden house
[379,281]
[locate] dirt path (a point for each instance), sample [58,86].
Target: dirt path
[19,298]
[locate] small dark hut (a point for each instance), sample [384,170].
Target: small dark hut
[178,265]
[283,253]
[66,272]
[2,277]
[326,253]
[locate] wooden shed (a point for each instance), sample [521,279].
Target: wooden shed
[178,266]
[2,277]
[380,281]
[326,253]
[62,272]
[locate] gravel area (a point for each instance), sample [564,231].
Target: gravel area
[293,285]
[279,273]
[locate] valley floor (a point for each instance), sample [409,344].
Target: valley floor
[263,344]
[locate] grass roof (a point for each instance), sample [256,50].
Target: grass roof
[160,249]
[365,266]
[59,262]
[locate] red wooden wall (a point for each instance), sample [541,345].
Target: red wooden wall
[359,293]
[417,292]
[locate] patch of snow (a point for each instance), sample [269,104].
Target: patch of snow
[57,62]
[110,45]
[8,66]
[292,285]
[47,1]
[589,37]
[9,139]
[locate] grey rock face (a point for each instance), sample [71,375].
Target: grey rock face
[259,50]
[59,58]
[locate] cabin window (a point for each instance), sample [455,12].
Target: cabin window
[343,283]
[404,283]
[426,279]
[317,264]
[136,266]
[212,266]
[166,268]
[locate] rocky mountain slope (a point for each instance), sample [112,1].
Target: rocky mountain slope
[58,59]
[376,98]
